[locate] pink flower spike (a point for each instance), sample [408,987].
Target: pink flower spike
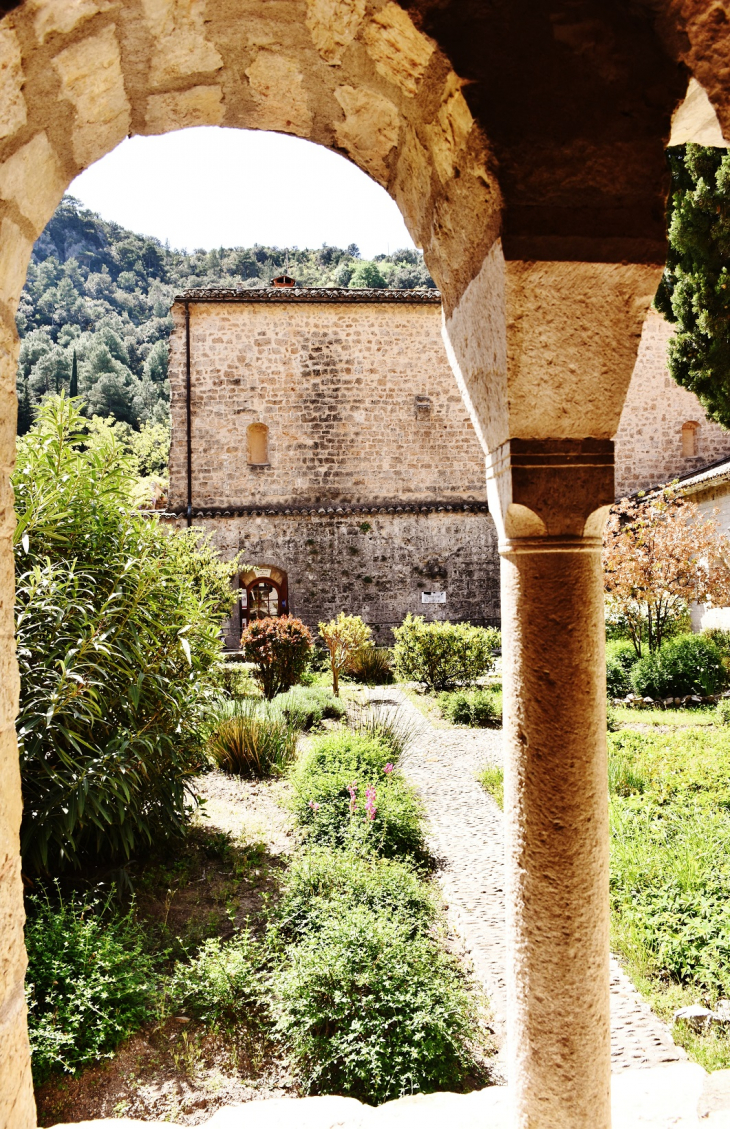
[370,807]
[352,789]
[314,805]
[388,768]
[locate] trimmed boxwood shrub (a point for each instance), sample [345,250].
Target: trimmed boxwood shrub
[689,664]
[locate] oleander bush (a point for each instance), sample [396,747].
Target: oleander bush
[118,647]
[279,647]
[688,664]
[90,981]
[443,655]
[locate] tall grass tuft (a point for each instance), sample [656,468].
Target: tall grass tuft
[248,738]
[381,721]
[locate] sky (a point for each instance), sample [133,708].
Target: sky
[213,187]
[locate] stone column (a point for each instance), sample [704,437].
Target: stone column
[550,499]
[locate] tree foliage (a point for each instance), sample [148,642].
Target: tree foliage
[694,292]
[118,637]
[659,554]
[102,294]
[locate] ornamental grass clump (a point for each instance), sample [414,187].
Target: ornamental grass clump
[443,655]
[372,666]
[248,738]
[279,647]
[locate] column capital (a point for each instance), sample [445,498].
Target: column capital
[549,495]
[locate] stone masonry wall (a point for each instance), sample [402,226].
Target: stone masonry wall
[373,565]
[649,438]
[336,385]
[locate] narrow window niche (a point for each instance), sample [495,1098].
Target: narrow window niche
[689,439]
[257,444]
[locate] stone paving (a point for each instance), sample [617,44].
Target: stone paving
[466,836]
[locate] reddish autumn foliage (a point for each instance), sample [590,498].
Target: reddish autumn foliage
[659,554]
[279,647]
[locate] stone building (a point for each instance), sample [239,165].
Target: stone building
[320,433]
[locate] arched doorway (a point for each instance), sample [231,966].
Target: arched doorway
[264,592]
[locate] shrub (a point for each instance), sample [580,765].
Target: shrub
[689,664]
[443,655]
[330,785]
[720,638]
[89,982]
[620,658]
[372,665]
[723,712]
[247,739]
[345,637]
[372,1011]
[224,981]
[118,646]
[321,883]
[481,709]
[306,706]
[279,648]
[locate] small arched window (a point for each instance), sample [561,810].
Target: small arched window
[689,438]
[257,444]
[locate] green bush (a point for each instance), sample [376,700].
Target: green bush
[249,739]
[224,981]
[279,648]
[89,982]
[306,706]
[689,664]
[324,803]
[481,709]
[491,779]
[720,638]
[321,883]
[443,655]
[118,627]
[620,658]
[369,1009]
[723,712]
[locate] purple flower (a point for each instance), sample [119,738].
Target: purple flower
[388,768]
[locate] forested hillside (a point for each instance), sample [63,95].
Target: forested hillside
[102,294]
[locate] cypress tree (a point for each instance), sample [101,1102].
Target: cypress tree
[694,292]
[25,410]
[74,386]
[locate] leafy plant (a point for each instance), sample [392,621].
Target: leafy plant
[491,779]
[117,628]
[442,654]
[481,708]
[306,706]
[344,637]
[279,648]
[372,1011]
[223,981]
[248,739]
[620,657]
[89,984]
[689,664]
[723,712]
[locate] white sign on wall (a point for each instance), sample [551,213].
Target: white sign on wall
[433,597]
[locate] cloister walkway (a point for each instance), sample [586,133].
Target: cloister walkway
[466,836]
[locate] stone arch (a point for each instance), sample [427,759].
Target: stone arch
[257,444]
[689,438]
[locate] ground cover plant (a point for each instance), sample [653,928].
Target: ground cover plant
[443,655]
[670,874]
[118,646]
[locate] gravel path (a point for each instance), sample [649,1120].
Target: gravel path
[466,836]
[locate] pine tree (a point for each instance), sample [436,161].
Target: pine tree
[694,292]
[74,386]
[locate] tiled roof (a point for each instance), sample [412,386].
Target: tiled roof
[311,294]
[337,511]
[716,472]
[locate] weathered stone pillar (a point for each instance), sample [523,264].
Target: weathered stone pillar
[551,496]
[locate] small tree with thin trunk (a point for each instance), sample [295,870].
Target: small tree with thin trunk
[659,554]
[343,638]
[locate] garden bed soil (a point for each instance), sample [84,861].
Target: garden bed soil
[211,885]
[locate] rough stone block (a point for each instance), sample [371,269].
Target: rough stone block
[33,180]
[202,105]
[91,79]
